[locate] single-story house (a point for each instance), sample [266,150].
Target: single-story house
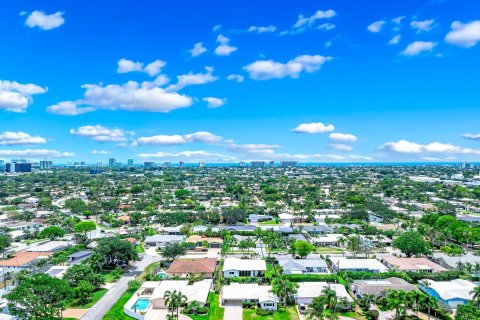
[452,293]
[255,218]
[161,240]
[22,260]
[355,265]
[377,287]
[57,271]
[234,267]
[412,264]
[169,230]
[197,291]
[453,262]
[328,240]
[307,291]
[197,241]
[204,266]
[303,266]
[50,246]
[249,292]
[79,256]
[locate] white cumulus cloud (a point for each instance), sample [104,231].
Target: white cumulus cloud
[407,147]
[236,77]
[314,127]
[318,15]
[213,102]
[269,69]
[376,26]
[417,47]
[152,69]
[176,139]
[262,29]
[344,137]
[10,138]
[101,134]
[15,97]
[423,26]
[224,49]
[130,96]
[197,49]
[191,78]
[45,21]
[464,34]
[472,136]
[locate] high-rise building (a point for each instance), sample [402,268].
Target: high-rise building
[18,167]
[99,164]
[257,164]
[271,163]
[241,164]
[46,165]
[181,164]
[112,162]
[288,163]
[149,165]
[2,163]
[167,164]
[130,163]
[201,164]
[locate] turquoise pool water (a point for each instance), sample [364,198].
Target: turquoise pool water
[141,304]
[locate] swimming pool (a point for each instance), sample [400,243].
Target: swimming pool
[141,304]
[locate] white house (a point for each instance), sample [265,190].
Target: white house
[237,293]
[161,240]
[307,291]
[452,293]
[356,265]
[303,266]
[234,267]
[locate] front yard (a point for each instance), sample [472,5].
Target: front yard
[215,311]
[281,314]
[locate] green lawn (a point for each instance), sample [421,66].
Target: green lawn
[328,250]
[108,275]
[269,222]
[116,313]
[215,312]
[94,298]
[281,314]
[139,248]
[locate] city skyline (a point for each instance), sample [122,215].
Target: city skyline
[304,81]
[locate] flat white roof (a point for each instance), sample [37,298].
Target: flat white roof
[454,289]
[244,264]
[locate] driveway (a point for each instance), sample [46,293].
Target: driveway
[233,311]
[102,306]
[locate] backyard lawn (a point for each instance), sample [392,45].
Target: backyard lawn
[281,314]
[215,312]
[116,313]
[140,249]
[95,296]
[328,250]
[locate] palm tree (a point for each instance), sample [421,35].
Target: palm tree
[316,309]
[367,300]
[259,238]
[174,300]
[413,298]
[428,302]
[476,296]
[397,300]
[330,298]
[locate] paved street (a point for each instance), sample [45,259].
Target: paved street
[98,311]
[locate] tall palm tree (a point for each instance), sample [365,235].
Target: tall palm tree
[330,298]
[316,309]
[397,300]
[174,300]
[476,296]
[428,302]
[413,299]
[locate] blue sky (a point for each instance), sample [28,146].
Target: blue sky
[313,81]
